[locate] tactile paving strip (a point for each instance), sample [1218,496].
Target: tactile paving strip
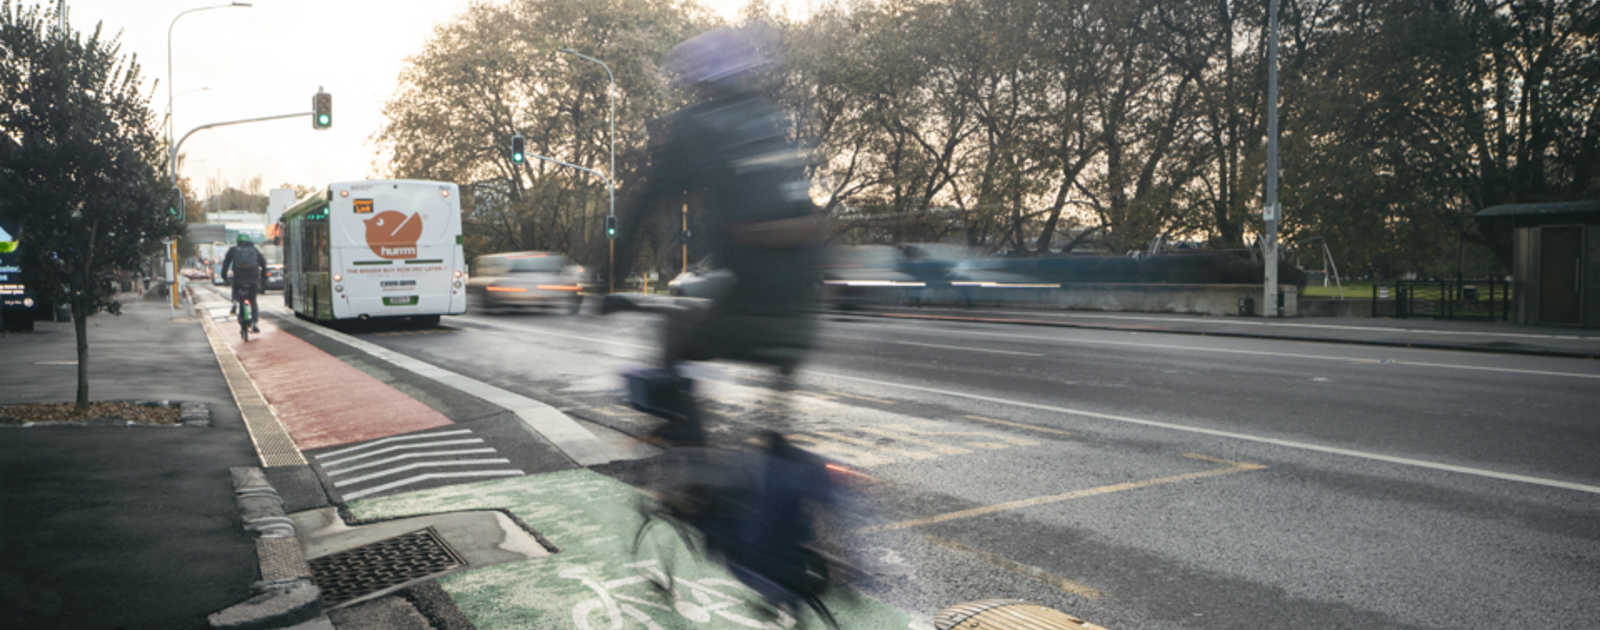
[1007,614]
[271,440]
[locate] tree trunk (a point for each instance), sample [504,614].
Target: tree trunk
[81,329]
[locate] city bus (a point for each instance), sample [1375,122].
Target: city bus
[375,248]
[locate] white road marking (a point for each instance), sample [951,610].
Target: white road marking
[401,469]
[403,447]
[399,458]
[425,477]
[1266,353]
[968,348]
[1306,446]
[1426,331]
[390,440]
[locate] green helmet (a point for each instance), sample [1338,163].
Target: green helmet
[243,238]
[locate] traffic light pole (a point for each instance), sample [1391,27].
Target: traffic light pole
[611,256]
[172,171]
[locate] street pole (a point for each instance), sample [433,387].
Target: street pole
[1269,306]
[174,173]
[172,153]
[611,173]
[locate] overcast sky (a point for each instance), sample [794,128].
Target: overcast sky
[269,59]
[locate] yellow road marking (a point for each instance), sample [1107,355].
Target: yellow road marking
[1056,498]
[1086,592]
[872,399]
[898,432]
[903,452]
[1006,441]
[817,395]
[1219,460]
[1020,425]
[829,448]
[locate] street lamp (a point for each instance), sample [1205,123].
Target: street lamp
[611,173]
[169,54]
[172,152]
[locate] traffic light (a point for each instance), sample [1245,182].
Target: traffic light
[518,146]
[321,110]
[611,226]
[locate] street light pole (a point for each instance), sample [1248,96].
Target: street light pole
[611,173]
[1271,213]
[172,152]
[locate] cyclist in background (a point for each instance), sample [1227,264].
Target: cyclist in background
[249,276]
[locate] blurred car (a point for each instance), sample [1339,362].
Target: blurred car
[702,280]
[524,279]
[274,277]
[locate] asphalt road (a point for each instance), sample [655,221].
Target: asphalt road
[1146,480]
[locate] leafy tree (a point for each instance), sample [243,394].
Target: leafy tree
[495,71]
[84,182]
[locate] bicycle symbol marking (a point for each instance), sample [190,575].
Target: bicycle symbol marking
[699,601]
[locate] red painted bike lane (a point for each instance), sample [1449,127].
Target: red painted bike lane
[322,400]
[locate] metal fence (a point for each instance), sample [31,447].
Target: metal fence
[1485,299]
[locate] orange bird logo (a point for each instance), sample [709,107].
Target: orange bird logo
[392,234]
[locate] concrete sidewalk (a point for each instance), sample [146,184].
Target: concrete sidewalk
[1410,333]
[121,527]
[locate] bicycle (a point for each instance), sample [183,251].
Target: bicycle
[245,304]
[757,513]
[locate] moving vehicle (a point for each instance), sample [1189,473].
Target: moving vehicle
[524,279]
[274,256]
[375,248]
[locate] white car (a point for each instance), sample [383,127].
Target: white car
[524,279]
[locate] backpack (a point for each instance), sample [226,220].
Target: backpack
[247,266]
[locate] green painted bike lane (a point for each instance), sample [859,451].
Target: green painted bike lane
[595,581]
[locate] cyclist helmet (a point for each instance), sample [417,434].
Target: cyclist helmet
[721,59]
[243,238]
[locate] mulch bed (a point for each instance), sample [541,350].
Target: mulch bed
[101,413]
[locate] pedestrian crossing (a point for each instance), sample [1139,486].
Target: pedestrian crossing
[408,462]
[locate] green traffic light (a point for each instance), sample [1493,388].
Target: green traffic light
[516,157]
[324,119]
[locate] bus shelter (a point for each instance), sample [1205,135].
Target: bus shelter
[1555,259]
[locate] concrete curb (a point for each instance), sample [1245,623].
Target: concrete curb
[1424,345]
[285,595]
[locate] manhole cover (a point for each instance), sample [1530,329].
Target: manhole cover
[390,562]
[1007,614]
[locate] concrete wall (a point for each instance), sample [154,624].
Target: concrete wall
[1203,299]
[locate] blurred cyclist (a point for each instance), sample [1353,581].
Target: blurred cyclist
[728,152]
[249,275]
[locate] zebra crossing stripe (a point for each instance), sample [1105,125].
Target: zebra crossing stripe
[403,447]
[391,440]
[425,477]
[396,458]
[401,469]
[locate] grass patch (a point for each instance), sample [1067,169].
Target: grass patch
[1357,291]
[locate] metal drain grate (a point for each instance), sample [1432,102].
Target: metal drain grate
[390,562]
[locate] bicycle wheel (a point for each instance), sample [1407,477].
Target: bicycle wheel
[661,539]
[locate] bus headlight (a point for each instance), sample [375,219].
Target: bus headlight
[339,288]
[338,278]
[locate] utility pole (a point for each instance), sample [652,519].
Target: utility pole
[1271,212]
